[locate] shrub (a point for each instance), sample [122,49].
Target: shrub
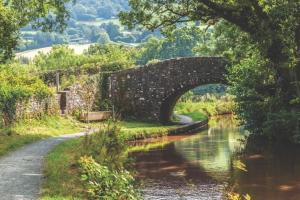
[103,183]
[102,165]
[18,85]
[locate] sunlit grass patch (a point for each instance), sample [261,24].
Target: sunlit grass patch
[62,176]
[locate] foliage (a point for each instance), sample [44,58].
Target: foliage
[107,147]
[47,15]
[62,57]
[118,58]
[18,85]
[236,196]
[103,165]
[8,29]
[103,183]
[201,107]
[40,39]
[283,126]
[98,9]
[196,115]
[59,57]
[90,21]
[252,84]
[181,43]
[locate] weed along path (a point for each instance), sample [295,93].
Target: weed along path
[21,171]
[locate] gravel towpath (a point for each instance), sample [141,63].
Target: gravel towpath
[21,171]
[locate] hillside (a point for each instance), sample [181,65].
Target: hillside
[91,21]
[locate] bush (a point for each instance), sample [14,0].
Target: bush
[107,147]
[18,85]
[62,57]
[103,183]
[103,165]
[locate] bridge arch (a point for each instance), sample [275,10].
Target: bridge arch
[151,92]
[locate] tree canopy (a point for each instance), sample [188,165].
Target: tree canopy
[49,15]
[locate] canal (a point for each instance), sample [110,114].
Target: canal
[207,166]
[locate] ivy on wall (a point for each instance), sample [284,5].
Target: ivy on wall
[17,85]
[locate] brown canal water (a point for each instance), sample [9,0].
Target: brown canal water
[201,166]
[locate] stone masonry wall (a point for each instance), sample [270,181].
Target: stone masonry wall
[34,108]
[150,92]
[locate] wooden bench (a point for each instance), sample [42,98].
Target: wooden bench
[96,116]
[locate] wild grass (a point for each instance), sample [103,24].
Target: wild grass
[62,175]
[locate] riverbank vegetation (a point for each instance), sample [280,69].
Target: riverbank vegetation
[95,166]
[134,130]
[201,107]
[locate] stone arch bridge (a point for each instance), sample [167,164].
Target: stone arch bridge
[150,92]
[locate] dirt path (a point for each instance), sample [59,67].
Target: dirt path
[21,171]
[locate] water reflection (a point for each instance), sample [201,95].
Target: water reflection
[274,175]
[194,167]
[212,149]
[200,167]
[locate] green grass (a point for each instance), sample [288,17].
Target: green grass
[62,176]
[29,131]
[133,130]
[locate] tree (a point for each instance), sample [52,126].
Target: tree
[271,31]
[113,30]
[48,15]
[181,44]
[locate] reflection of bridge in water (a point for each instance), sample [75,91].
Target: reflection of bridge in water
[212,150]
[151,92]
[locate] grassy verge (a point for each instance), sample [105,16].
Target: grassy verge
[133,130]
[29,131]
[62,175]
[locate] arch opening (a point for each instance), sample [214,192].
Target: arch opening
[168,105]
